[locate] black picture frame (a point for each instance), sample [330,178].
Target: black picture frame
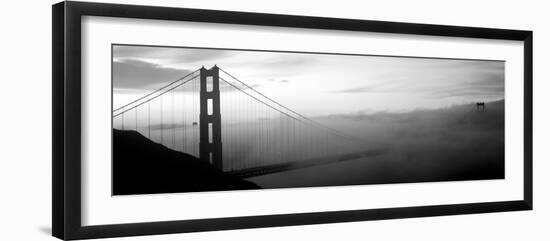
[66,127]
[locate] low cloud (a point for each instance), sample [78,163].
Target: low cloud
[278,80]
[377,88]
[139,75]
[441,79]
[172,55]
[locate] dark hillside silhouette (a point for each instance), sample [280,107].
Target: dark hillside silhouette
[141,166]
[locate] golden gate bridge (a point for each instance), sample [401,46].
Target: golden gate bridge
[220,119]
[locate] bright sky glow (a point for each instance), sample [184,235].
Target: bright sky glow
[318,84]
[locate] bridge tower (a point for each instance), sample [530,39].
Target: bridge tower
[210,147]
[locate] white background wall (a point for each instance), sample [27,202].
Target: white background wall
[25,133]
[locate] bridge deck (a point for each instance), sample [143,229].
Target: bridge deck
[286,166]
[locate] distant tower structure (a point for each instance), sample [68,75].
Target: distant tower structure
[210,142]
[480,106]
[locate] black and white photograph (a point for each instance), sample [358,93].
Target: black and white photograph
[274,120]
[192,119]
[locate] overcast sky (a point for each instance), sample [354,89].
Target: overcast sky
[318,84]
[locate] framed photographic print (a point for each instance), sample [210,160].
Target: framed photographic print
[169,120]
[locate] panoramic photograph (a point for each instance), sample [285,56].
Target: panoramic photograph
[190,119]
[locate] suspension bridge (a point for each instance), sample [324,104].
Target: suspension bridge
[220,119]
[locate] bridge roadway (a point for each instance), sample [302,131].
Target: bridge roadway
[286,166]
